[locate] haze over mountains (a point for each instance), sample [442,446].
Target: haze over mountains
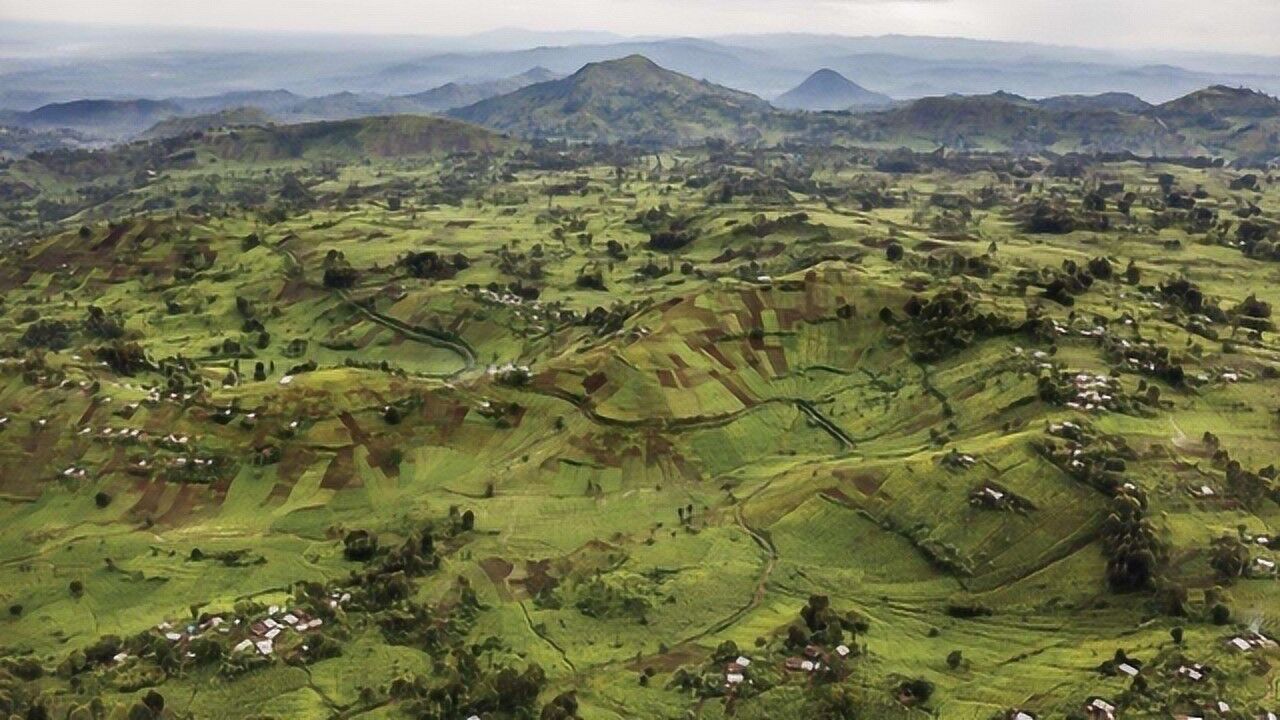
[635,101]
[42,63]
[643,92]
[115,119]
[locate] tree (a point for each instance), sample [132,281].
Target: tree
[1221,614]
[561,707]
[76,587]
[954,658]
[154,700]
[102,499]
[1229,557]
[917,690]
[338,273]
[1176,633]
[360,545]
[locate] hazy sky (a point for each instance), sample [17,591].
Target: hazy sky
[1251,26]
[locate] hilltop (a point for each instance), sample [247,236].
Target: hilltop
[630,99]
[1217,103]
[829,90]
[177,126]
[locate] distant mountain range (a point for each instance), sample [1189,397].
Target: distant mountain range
[635,100]
[125,119]
[69,62]
[827,89]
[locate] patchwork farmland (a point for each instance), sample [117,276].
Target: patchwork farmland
[504,430]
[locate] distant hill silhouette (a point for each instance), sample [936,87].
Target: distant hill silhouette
[101,117]
[455,95]
[829,90]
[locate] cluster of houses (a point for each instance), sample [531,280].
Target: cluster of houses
[144,466]
[735,672]
[1195,672]
[258,635]
[814,659]
[111,435]
[1083,391]
[1248,642]
[1067,430]
[1093,392]
[263,633]
[1097,708]
[155,397]
[528,310]
[510,373]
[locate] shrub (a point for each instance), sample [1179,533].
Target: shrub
[360,545]
[1221,614]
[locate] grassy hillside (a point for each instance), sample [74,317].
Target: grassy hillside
[573,431]
[393,136]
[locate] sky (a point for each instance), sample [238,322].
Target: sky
[1244,26]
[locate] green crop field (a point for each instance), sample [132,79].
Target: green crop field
[409,419]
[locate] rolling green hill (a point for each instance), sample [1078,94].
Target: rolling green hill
[1010,123]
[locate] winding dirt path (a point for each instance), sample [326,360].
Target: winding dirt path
[417,334]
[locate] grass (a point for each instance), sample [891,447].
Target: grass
[716,391]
